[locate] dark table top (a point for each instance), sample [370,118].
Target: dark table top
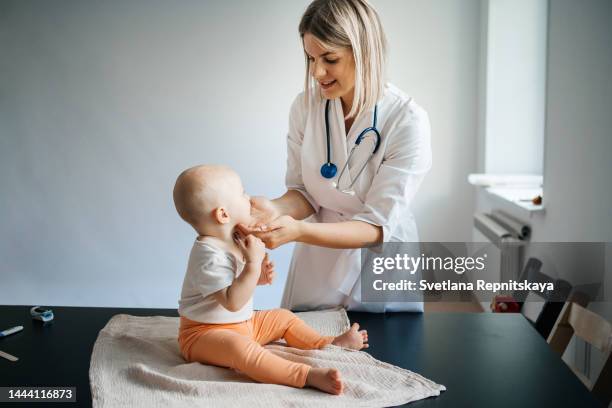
[483,359]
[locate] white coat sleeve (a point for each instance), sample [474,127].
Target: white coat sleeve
[406,161]
[295,137]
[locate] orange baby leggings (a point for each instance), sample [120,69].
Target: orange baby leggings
[239,345]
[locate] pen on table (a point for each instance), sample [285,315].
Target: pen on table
[5,333]
[8,356]
[10,331]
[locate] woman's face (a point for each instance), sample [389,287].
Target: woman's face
[333,69]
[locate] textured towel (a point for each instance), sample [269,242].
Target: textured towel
[136,363]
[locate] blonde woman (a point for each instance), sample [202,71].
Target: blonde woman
[329,210]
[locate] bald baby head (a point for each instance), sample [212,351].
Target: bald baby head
[202,190]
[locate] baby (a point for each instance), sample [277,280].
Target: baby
[218,325]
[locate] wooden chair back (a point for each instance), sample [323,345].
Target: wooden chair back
[575,319]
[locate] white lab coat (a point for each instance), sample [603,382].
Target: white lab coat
[321,277]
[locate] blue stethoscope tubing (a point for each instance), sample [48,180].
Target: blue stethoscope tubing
[329,169]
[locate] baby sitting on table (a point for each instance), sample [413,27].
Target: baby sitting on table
[217,324]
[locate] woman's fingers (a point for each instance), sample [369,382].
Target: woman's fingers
[278,232]
[258,227]
[268,238]
[276,224]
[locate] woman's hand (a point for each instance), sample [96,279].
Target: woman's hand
[276,233]
[263,211]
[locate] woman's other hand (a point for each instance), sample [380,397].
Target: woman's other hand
[276,233]
[263,211]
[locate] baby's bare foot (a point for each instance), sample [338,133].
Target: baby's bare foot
[354,338]
[325,379]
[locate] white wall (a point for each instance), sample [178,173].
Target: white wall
[102,104]
[434,56]
[578,166]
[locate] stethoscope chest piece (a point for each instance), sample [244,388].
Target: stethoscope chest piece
[329,170]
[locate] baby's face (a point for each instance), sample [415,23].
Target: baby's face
[239,202]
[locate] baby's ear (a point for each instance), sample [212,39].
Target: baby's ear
[221,215]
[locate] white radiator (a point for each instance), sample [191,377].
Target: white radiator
[508,236]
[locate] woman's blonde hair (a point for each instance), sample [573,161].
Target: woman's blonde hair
[350,24]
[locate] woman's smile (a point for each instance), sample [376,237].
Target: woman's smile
[325,85]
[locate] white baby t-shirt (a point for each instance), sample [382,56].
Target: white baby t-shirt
[209,270]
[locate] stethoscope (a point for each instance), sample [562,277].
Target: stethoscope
[329,169]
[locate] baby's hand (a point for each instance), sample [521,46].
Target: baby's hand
[252,247]
[267,272]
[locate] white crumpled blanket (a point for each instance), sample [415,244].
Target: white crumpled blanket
[136,363]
